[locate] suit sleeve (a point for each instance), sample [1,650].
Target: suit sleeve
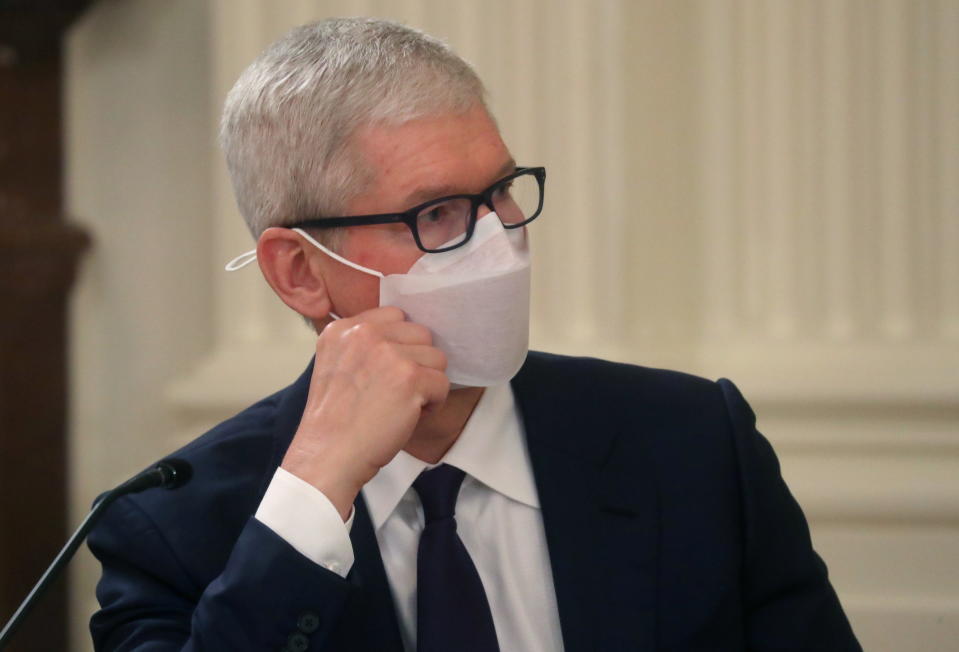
[267,596]
[789,603]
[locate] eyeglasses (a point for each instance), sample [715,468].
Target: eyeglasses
[448,222]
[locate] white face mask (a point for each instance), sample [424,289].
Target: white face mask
[474,299]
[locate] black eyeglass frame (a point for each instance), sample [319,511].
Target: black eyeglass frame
[408,217]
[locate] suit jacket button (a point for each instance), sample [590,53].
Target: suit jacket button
[298,642]
[308,623]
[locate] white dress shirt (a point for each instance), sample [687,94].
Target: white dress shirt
[498,519]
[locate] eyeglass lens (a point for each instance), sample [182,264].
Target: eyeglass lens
[445,224]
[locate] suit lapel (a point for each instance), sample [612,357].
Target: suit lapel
[600,514]
[370,620]
[372,610]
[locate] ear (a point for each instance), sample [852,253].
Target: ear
[291,267]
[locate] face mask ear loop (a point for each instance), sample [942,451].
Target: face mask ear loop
[337,257]
[241,261]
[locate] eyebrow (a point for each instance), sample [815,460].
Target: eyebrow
[426,193]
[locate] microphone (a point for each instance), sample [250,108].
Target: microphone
[171,473]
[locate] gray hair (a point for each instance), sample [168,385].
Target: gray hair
[289,118]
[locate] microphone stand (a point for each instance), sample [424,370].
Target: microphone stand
[171,474]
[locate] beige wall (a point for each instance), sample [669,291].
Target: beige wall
[139,137]
[760,189]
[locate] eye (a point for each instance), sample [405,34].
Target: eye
[440,224]
[436,214]
[443,216]
[503,191]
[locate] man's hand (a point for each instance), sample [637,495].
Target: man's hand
[374,375]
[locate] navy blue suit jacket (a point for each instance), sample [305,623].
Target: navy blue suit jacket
[667,523]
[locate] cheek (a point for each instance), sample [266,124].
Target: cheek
[364,294]
[355,291]
[399,262]
[387,259]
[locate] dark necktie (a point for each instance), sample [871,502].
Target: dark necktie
[452,613]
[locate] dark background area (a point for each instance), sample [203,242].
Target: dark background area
[39,250]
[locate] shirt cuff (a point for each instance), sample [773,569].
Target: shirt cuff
[306,519]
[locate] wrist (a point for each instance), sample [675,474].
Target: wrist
[339,481]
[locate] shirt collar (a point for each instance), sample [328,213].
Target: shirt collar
[490,449]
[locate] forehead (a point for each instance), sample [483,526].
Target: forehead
[429,157]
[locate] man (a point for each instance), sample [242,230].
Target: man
[416,488]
